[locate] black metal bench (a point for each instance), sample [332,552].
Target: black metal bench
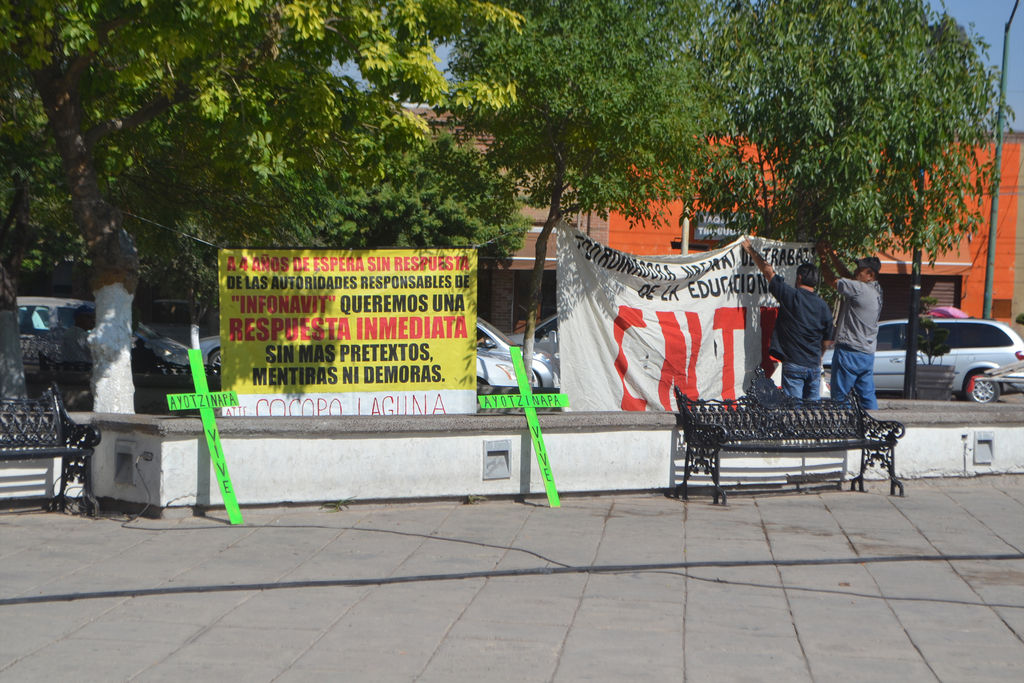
[768,421]
[40,428]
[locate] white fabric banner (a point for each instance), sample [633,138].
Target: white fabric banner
[631,327]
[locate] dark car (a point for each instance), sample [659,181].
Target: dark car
[49,336]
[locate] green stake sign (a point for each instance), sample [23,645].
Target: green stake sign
[529,402]
[205,401]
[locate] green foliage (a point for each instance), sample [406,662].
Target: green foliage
[606,110]
[444,194]
[931,341]
[214,117]
[853,123]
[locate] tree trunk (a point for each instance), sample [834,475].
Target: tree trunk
[13,242]
[537,276]
[114,257]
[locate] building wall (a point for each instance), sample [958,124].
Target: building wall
[1006,280]
[966,265]
[504,283]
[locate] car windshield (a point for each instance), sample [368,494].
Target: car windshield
[146,331]
[495,332]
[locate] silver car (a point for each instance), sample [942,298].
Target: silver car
[975,346]
[494,360]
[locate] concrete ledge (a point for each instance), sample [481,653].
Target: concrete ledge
[162,461]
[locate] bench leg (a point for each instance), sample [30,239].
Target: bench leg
[715,479]
[76,468]
[894,483]
[857,483]
[687,471]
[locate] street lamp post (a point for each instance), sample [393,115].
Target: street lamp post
[994,216]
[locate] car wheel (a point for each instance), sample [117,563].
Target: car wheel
[980,390]
[214,358]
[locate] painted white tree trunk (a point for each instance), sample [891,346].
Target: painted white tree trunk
[110,341]
[12,373]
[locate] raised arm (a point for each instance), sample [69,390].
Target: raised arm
[831,264]
[762,265]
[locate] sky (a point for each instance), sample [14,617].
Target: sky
[989,18]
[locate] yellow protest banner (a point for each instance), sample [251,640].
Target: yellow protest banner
[314,332]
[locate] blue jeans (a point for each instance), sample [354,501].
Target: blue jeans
[854,370]
[800,381]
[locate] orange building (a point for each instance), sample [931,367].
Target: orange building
[955,279]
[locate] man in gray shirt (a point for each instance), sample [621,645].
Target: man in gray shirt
[853,360]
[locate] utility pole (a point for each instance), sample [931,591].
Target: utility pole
[993,221]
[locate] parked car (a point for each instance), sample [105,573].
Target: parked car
[545,338]
[210,346]
[494,360]
[46,323]
[975,346]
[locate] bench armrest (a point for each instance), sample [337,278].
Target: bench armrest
[888,431]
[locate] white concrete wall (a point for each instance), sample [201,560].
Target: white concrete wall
[282,470]
[311,461]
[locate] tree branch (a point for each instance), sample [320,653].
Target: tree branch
[143,115]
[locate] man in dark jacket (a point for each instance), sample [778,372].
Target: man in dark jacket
[802,329]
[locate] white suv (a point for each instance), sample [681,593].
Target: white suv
[975,346]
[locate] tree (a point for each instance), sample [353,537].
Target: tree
[29,181]
[264,83]
[606,114]
[442,194]
[855,123]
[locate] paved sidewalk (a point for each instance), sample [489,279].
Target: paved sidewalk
[825,586]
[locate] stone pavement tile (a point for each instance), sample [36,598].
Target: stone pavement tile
[930,623]
[922,581]
[956,662]
[496,628]
[860,513]
[617,654]
[996,581]
[731,590]
[313,607]
[996,509]
[737,521]
[486,522]
[891,543]
[641,618]
[506,603]
[827,579]
[363,647]
[733,656]
[838,666]
[492,659]
[545,586]
[228,668]
[570,539]
[667,585]
[24,631]
[730,621]
[182,608]
[97,660]
[448,562]
[263,653]
[115,628]
[854,625]
[726,550]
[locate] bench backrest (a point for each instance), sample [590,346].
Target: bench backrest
[32,423]
[748,419]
